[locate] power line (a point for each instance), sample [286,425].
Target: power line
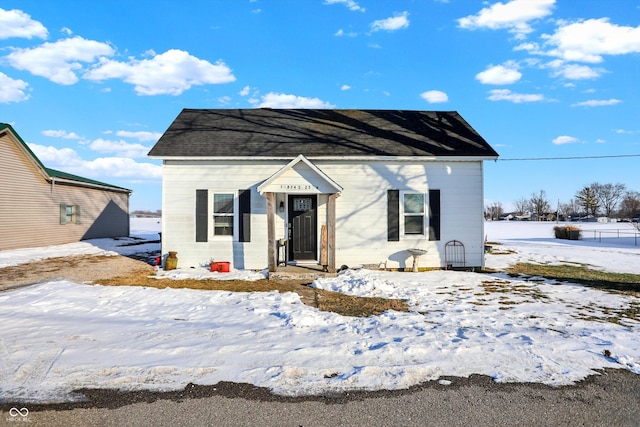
[568,158]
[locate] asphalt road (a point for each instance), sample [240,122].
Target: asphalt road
[610,399]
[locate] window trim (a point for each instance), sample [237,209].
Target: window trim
[402,215]
[212,215]
[66,218]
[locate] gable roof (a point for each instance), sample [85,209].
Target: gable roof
[53,174]
[266,132]
[316,180]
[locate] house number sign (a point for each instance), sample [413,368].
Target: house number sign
[302,204]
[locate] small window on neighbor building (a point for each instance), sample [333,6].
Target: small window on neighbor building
[69,214]
[223,214]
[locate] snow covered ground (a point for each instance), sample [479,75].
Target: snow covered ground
[60,336]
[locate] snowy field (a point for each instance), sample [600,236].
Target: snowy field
[60,336]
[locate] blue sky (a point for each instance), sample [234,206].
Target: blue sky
[91,85]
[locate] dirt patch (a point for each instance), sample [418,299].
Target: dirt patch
[123,271]
[77,268]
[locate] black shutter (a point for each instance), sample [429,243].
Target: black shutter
[202,217]
[244,223]
[393,215]
[434,214]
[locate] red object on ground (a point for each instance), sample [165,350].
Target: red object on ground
[220,266]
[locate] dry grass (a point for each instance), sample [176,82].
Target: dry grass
[324,300]
[507,287]
[582,275]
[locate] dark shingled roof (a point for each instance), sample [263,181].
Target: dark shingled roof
[266,132]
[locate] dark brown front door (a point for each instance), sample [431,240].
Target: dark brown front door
[303,223]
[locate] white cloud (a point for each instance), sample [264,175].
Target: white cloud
[514,15]
[12,90]
[504,74]
[120,167]
[121,148]
[351,4]
[59,61]
[169,73]
[578,72]
[341,33]
[564,139]
[597,103]
[16,23]
[397,22]
[60,134]
[434,96]
[245,91]
[56,157]
[588,41]
[345,87]
[507,95]
[140,135]
[68,160]
[281,100]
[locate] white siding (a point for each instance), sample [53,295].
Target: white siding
[361,210]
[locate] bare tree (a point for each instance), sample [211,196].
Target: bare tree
[630,205]
[570,208]
[609,195]
[494,211]
[521,206]
[588,200]
[539,204]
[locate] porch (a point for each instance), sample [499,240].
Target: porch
[292,195]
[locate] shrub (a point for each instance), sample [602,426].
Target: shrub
[567,232]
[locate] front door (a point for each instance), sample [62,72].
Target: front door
[303,223]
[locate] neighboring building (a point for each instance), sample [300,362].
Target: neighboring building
[41,206]
[339,187]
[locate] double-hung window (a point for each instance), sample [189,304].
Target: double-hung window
[414,213]
[69,214]
[223,214]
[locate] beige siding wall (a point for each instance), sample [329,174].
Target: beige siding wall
[361,210]
[30,206]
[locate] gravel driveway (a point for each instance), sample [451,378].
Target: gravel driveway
[78,268]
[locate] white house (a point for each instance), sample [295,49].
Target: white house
[263,187]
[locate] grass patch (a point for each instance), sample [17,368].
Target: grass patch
[348,305]
[583,275]
[336,302]
[507,287]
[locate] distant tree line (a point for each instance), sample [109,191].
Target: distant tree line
[609,200]
[146,214]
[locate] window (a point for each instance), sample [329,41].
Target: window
[223,214]
[69,214]
[414,212]
[420,218]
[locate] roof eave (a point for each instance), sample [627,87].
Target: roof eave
[57,180]
[330,158]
